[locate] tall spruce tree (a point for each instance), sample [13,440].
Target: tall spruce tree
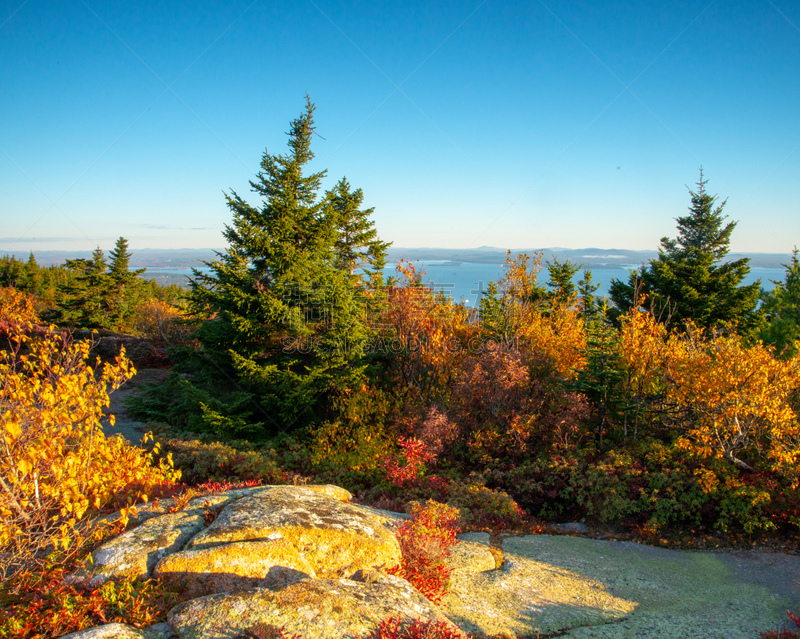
[689,281]
[586,294]
[288,326]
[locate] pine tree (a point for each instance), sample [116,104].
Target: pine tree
[561,275]
[586,294]
[124,286]
[288,325]
[81,301]
[781,308]
[357,244]
[689,281]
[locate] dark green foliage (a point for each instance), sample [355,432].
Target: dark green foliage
[782,311]
[689,281]
[31,278]
[82,302]
[586,294]
[288,320]
[125,288]
[97,294]
[600,380]
[561,275]
[357,243]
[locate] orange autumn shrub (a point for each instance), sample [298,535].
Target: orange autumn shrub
[550,332]
[427,335]
[643,354]
[56,464]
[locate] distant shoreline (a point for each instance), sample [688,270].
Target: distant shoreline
[591,258]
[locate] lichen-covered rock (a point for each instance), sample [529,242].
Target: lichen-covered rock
[108,631]
[312,608]
[334,537]
[525,597]
[329,490]
[677,595]
[235,566]
[136,552]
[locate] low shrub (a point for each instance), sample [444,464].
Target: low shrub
[426,542]
[349,446]
[40,605]
[201,462]
[483,508]
[395,629]
[651,487]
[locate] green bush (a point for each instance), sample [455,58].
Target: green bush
[213,461]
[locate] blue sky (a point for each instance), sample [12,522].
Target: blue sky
[466,123]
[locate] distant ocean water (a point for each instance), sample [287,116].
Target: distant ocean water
[467,280]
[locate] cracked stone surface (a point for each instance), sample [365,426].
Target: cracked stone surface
[334,537]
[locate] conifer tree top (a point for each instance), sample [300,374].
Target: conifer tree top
[702,230]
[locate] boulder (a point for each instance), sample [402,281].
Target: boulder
[333,538]
[108,631]
[236,566]
[305,559]
[123,631]
[136,552]
[312,608]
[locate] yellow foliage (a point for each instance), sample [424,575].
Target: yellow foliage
[159,321]
[55,462]
[17,313]
[643,350]
[557,338]
[553,333]
[738,396]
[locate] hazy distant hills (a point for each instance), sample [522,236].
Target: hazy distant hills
[171,266]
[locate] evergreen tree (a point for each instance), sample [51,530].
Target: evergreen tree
[12,272]
[561,275]
[586,294]
[81,301]
[599,380]
[689,281]
[781,308]
[33,277]
[124,286]
[357,243]
[288,325]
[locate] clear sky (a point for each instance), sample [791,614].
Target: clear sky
[466,122]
